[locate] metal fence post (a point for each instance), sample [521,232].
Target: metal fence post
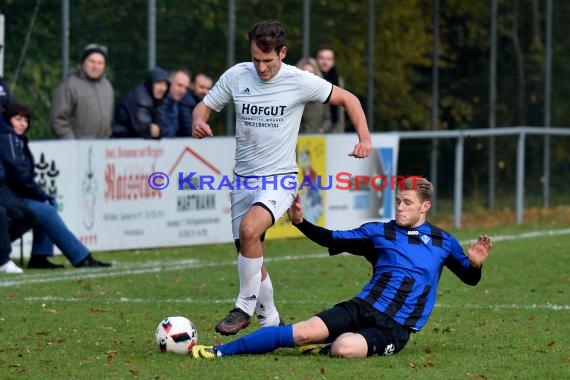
[458,186]
[520,177]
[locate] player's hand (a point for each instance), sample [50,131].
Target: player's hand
[478,251]
[201,129]
[362,149]
[295,212]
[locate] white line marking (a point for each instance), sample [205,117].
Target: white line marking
[134,269]
[527,235]
[155,266]
[546,306]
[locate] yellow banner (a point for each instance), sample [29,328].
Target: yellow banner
[311,158]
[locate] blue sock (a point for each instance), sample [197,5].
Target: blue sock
[261,341]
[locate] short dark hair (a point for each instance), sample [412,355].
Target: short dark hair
[324,47]
[199,73]
[268,35]
[16,109]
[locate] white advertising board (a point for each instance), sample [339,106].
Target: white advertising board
[353,200]
[105,196]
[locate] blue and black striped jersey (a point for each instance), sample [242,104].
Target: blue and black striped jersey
[407,266]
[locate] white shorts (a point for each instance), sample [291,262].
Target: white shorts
[274,193]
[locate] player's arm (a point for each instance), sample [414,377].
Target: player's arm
[325,237]
[352,106]
[468,268]
[200,116]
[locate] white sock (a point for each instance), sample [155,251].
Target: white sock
[265,309]
[249,282]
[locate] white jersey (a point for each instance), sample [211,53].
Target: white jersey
[268,114]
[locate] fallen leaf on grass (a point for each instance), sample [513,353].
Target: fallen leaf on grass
[550,344]
[96,310]
[16,367]
[110,357]
[411,365]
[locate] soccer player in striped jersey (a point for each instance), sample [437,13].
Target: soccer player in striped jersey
[407,255]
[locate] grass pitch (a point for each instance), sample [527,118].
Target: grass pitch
[86,324]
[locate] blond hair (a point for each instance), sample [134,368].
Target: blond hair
[309,61]
[422,186]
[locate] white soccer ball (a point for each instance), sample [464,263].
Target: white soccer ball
[176,334]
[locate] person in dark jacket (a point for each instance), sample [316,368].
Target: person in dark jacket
[49,228]
[15,220]
[6,265]
[136,114]
[200,84]
[169,111]
[6,97]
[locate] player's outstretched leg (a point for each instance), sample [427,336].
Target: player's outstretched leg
[261,341]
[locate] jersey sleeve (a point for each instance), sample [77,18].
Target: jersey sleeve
[356,242]
[315,88]
[221,93]
[459,264]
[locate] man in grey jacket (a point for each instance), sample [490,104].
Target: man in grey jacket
[82,105]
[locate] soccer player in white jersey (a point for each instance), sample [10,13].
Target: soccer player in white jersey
[269,98]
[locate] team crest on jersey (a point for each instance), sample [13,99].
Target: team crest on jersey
[425,239]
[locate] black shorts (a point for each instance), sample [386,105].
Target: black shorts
[383,335]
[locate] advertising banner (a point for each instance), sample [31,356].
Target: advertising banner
[130,193]
[120,208]
[311,159]
[362,187]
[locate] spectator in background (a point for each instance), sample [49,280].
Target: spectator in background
[5,96]
[15,220]
[137,112]
[6,265]
[199,86]
[168,113]
[316,116]
[49,228]
[82,105]
[325,60]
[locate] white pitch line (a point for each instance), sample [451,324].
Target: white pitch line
[527,235]
[546,306]
[134,269]
[156,266]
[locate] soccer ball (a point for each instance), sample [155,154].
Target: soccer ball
[176,334]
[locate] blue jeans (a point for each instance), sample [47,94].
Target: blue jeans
[50,229]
